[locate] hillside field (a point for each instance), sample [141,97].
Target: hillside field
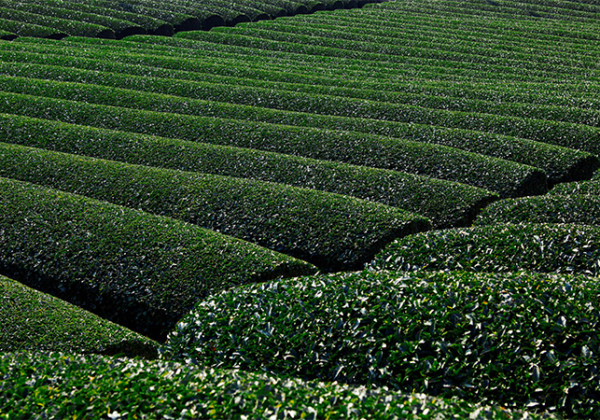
[288,209]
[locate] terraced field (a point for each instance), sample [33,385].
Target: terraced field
[379,212]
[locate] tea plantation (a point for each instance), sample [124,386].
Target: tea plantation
[299,209]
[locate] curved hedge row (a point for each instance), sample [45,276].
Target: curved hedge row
[32,320]
[427,94]
[561,248]
[331,231]
[81,18]
[445,203]
[591,187]
[520,340]
[507,178]
[94,386]
[155,58]
[561,164]
[136,269]
[65,26]
[574,208]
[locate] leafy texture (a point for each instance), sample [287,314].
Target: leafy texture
[520,340]
[575,208]
[561,248]
[591,187]
[57,386]
[140,270]
[31,320]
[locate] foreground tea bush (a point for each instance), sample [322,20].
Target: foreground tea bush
[332,231]
[512,339]
[561,248]
[574,208]
[32,320]
[55,385]
[140,270]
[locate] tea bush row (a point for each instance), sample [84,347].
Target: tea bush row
[136,269]
[561,248]
[519,340]
[95,386]
[445,203]
[573,208]
[505,177]
[559,163]
[32,320]
[331,231]
[153,51]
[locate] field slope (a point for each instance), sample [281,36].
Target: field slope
[214,189]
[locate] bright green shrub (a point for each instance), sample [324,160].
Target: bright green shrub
[32,320]
[575,208]
[561,248]
[517,339]
[331,231]
[136,269]
[505,177]
[95,386]
[445,203]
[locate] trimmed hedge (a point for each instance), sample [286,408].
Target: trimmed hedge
[100,387]
[575,208]
[368,63]
[299,109]
[427,94]
[17,28]
[445,203]
[160,52]
[32,320]
[331,231]
[150,24]
[560,164]
[6,35]
[585,187]
[507,178]
[519,340]
[133,268]
[62,11]
[70,27]
[561,248]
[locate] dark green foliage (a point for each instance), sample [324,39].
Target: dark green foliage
[55,385]
[6,35]
[574,208]
[57,10]
[505,177]
[31,320]
[520,340]
[561,248]
[67,26]
[181,15]
[332,231]
[28,29]
[445,203]
[139,270]
[333,112]
[591,187]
